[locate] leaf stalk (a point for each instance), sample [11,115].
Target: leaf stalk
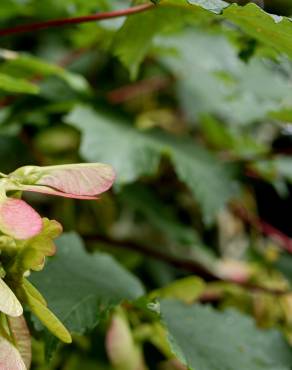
[75,20]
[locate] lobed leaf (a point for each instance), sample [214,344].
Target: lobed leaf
[206,339]
[95,285]
[139,154]
[168,15]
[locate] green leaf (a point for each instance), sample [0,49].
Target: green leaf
[206,339]
[79,286]
[269,29]
[277,168]
[167,17]
[215,6]
[187,289]
[234,139]
[274,31]
[9,8]
[211,78]
[25,66]
[47,317]
[17,85]
[32,291]
[139,154]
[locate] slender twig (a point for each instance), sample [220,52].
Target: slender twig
[265,228]
[137,89]
[153,253]
[185,264]
[75,20]
[282,239]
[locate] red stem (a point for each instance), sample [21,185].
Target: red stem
[76,20]
[283,240]
[185,263]
[265,228]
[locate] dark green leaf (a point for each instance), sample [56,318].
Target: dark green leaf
[79,286]
[206,339]
[139,154]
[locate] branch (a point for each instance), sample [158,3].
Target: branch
[76,20]
[153,253]
[185,264]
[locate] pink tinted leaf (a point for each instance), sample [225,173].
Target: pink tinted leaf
[50,191]
[118,340]
[18,219]
[81,181]
[233,270]
[10,358]
[22,339]
[121,349]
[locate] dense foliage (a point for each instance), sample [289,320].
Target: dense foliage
[177,253]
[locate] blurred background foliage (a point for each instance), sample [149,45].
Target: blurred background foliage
[193,109]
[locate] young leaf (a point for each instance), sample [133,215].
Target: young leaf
[9,304]
[187,289]
[18,219]
[32,291]
[17,85]
[32,252]
[10,358]
[81,181]
[47,318]
[21,337]
[121,349]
